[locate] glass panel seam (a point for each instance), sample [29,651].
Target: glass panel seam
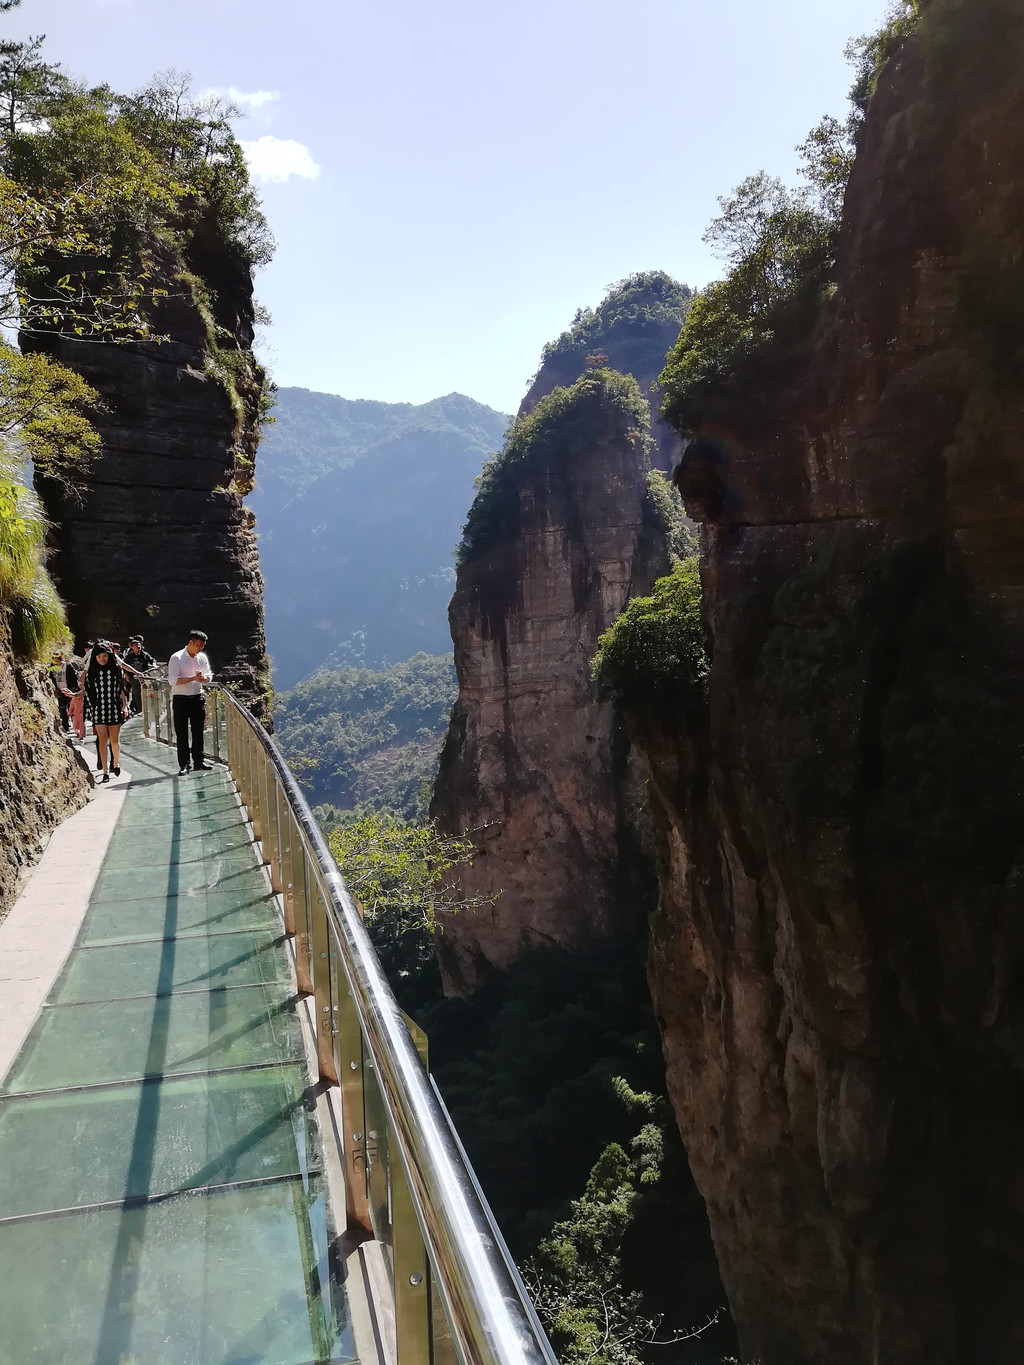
[139,1201]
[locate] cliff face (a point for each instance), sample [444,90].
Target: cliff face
[40,782]
[161,541]
[838,959]
[535,767]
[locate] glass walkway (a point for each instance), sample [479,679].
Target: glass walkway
[161,1192]
[219,1142]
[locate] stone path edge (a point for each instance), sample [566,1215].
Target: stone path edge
[43,924]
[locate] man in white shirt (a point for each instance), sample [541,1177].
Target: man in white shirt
[187,671]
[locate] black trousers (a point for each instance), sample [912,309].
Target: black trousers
[189,711]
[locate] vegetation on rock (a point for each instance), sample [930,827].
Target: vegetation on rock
[657,650]
[602,406]
[745,335]
[663,511]
[639,319]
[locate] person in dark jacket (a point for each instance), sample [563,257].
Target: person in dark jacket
[137,660]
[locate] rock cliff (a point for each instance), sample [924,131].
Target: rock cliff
[535,767]
[40,782]
[161,540]
[632,328]
[838,958]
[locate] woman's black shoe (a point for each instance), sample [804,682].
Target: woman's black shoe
[117,772]
[106,777]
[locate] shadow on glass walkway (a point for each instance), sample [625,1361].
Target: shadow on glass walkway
[219,1144]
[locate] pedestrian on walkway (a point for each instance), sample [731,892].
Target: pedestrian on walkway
[76,706]
[137,662]
[187,671]
[64,684]
[105,696]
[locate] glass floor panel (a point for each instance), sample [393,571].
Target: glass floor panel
[123,1040]
[140,1141]
[140,846]
[230,1277]
[190,912]
[231,869]
[163,965]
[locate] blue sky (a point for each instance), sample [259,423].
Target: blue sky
[449,181]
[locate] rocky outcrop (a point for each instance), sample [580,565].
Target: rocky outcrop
[40,782]
[838,959]
[629,331]
[535,767]
[161,541]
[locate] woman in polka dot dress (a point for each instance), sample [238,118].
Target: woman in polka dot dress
[104,698]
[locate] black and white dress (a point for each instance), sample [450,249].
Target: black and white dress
[104,691]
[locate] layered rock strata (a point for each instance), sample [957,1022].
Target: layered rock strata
[161,540]
[838,960]
[535,768]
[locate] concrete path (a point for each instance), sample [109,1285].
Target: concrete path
[39,932]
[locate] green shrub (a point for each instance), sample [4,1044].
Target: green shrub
[22,531]
[663,510]
[657,649]
[33,611]
[38,624]
[601,406]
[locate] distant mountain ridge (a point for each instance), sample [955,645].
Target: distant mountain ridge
[359,505]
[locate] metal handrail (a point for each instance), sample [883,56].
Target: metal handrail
[489,1312]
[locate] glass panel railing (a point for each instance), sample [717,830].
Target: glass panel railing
[456,1294]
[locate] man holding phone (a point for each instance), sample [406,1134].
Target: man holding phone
[187,671]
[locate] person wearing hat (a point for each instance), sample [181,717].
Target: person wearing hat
[137,661]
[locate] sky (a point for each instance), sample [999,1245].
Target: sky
[448,182]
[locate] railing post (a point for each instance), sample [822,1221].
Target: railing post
[145,710]
[229,747]
[412,1285]
[274,827]
[255,788]
[320,939]
[288,835]
[244,771]
[348,1060]
[170,717]
[303,899]
[217,703]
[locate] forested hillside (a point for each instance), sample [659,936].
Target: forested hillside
[359,507]
[363,740]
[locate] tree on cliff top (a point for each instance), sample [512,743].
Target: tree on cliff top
[745,334]
[636,322]
[97,185]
